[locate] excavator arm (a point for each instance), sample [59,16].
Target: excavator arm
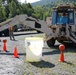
[28,21]
[12,21]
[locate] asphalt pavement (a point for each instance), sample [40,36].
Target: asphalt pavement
[50,65]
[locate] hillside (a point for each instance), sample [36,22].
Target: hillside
[51,2]
[43,2]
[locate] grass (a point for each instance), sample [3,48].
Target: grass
[61,68]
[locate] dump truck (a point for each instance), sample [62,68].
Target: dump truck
[62,26]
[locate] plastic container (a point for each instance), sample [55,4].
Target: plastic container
[33,47]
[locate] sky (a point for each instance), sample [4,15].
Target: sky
[28,1]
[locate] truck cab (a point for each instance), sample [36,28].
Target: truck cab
[63,17]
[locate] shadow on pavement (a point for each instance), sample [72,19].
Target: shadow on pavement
[68,63]
[51,52]
[12,53]
[43,64]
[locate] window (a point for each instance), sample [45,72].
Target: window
[62,18]
[71,17]
[54,18]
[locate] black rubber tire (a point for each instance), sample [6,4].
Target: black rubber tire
[51,42]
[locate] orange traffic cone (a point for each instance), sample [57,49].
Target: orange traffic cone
[15,52]
[61,47]
[61,57]
[4,46]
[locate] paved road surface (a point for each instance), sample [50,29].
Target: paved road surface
[48,66]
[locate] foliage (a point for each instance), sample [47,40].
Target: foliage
[2,12]
[43,2]
[43,8]
[12,9]
[46,2]
[38,12]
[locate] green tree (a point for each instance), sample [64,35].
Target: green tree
[13,9]
[27,9]
[23,9]
[30,10]
[38,12]
[9,1]
[2,12]
[47,12]
[41,12]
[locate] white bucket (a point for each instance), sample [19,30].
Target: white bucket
[33,47]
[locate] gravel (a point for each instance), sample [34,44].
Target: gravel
[49,65]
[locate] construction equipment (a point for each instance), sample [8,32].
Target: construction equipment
[62,26]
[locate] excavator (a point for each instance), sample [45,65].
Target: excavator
[62,26]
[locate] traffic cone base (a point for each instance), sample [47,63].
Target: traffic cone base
[4,47]
[16,53]
[16,56]
[61,57]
